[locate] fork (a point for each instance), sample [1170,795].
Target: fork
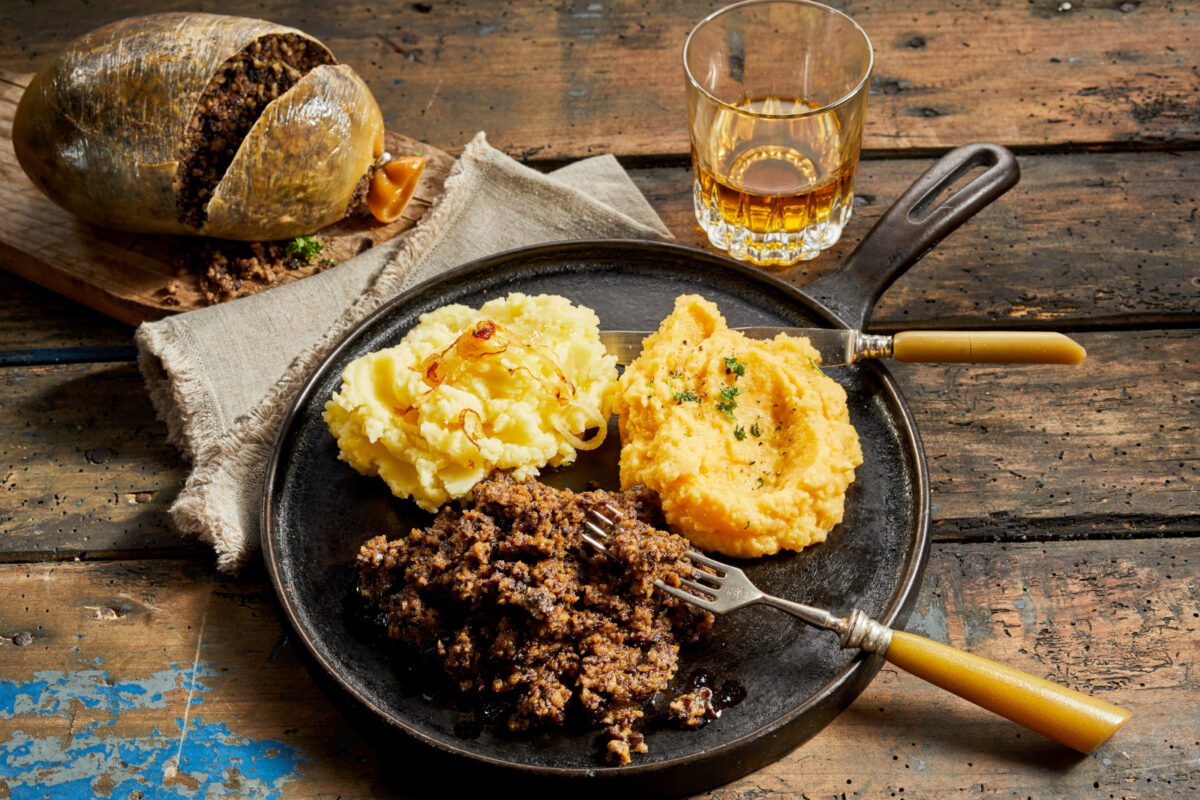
[1065,715]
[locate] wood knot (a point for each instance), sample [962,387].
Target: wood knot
[99,455]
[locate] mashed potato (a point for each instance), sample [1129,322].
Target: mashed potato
[513,385]
[747,443]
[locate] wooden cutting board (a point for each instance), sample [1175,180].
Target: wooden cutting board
[125,275]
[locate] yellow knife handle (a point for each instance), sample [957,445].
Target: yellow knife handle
[1078,721]
[986,347]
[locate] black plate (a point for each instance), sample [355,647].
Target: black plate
[317,511]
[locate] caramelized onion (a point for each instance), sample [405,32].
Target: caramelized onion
[462,423]
[488,338]
[601,427]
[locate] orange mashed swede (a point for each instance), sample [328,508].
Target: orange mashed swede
[748,444]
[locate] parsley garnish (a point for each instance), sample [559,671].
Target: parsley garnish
[304,247]
[735,367]
[760,482]
[755,430]
[739,433]
[816,366]
[686,396]
[727,404]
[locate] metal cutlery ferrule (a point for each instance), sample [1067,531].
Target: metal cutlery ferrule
[868,345]
[860,631]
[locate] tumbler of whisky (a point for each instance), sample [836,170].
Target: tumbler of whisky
[776,94]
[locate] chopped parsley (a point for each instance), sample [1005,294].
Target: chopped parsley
[686,396]
[675,375]
[727,404]
[304,247]
[816,366]
[739,433]
[760,482]
[755,430]
[735,367]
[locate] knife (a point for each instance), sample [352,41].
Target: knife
[839,346]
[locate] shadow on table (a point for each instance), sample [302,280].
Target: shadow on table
[962,732]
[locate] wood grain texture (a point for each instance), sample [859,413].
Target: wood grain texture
[1103,445]
[84,463]
[35,318]
[1015,452]
[213,680]
[125,275]
[577,78]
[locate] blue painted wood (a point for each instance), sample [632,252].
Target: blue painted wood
[67,355]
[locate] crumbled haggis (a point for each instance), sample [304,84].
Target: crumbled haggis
[693,708]
[507,598]
[228,269]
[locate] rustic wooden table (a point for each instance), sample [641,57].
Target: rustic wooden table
[1066,519]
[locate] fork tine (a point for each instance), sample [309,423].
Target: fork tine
[700,576]
[701,587]
[712,591]
[594,542]
[598,536]
[615,513]
[600,532]
[700,558]
[694,599]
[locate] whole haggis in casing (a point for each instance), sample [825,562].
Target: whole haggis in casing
[199,123]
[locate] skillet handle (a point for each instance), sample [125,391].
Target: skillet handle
[915,223]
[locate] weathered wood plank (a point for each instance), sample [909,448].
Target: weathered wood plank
[1115,619]
[1105,448]
[84,463]
[1090,451]
[580,78]
[34,318]
[209,696]
[212,700]
[1082,241]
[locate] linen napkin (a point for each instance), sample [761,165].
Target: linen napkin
[223,376]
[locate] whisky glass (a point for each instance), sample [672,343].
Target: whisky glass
[776,95]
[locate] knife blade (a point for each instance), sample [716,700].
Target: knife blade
[837,346]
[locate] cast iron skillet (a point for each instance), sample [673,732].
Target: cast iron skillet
[317,511]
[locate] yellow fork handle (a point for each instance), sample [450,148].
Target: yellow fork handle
[987,347]
[1078,721]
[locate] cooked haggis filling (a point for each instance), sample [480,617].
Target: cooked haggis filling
[227,110]
[229,269]
[511,601]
